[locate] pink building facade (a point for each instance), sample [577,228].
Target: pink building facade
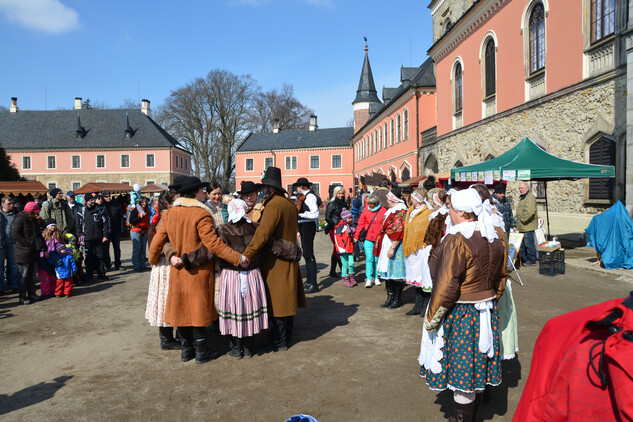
[69,148]
[323,156]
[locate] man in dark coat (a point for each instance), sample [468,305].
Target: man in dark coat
[96,229]
[308,206]
[116,216]
[282,277]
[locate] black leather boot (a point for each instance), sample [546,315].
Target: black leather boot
[417,306]
[478,400]
[463,412]
[397,294]
[167,340]
[333,262]
[389,287]
[203,354]
[247,347]
[187,351]
[234,347]
[426,298]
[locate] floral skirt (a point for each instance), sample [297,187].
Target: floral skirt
[157,293]
[242,304]
[464,367]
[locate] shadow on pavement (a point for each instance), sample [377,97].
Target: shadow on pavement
[95,286]
[31,395]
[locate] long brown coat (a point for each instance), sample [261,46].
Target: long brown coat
[189,225]
[282,277]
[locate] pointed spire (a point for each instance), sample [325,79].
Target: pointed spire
[366,92]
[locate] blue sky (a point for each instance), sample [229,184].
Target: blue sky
[110,50]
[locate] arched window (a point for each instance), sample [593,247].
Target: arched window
[457,85]
[392,137]
[447,25]
[406,124]
[537,38]
[602,19]
[376,140]
[371,144]
[406,174]
[489,157]
[490,70]
[380,137]
[602,152]
[399,129]
[431,165]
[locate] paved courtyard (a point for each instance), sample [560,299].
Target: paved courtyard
[94,357]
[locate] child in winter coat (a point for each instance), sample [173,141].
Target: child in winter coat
[65,269]
[73,248]
[45,268]
[344,243]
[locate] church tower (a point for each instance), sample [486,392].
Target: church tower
[366,102]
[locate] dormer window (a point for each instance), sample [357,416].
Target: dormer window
[129,132]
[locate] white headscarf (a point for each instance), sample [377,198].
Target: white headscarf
[468,200]
[237,210]
[393,198]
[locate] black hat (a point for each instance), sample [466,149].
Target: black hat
[273,178]
[105,193]
[429,183]
[189,184]
[54,192]
[177,183]
[500,188]
[248,187]
[302,181]
[50,222]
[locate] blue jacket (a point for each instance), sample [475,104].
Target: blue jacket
[64,264]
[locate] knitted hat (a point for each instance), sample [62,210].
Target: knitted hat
[54,192]
[31,207]
[345,214]
[500,188]
[136,187]
[51,222]
[60,247]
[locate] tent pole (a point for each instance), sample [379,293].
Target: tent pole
[547,211]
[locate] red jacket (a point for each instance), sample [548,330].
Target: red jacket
[563,386]
[343,238]
[365,220]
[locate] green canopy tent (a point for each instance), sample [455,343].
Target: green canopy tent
[528,161]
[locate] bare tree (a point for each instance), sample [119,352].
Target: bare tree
[131,104]
[282,105]
[210,116]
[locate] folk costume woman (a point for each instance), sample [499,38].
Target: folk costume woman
[416,252]
[438,221]
[460,339]
[371,221]
[388,248]
[242,306]
[189,225]
[159,285]
[508,324]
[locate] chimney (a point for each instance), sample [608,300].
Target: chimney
[78,103]
[313,123]
[145,108]
[276,126]
[14,105]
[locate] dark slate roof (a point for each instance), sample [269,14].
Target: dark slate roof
[424,77]
[366,92]
[387,94]
[407,73]
[104,129]
[294,139]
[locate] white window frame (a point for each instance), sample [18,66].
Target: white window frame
[147,155]
[148,182]
[318,157]
[52,184]
[177,161]
[318,188]
[48,157]
[405,124]
[272,162]
[127,182]
[398,128]
[97,161]
[72,161]
[128,161]
[252,162]
[72,185]
[340,158]
[291,158]
[30,162]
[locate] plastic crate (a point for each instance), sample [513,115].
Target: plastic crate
[552,263]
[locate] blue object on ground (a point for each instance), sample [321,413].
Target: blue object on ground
[611,235]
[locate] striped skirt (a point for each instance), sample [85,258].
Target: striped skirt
[157,293]
[242,305]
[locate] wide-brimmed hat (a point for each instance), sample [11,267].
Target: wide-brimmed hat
[302,181]
[248,187]
[273,178]
[189,184]
[177,183]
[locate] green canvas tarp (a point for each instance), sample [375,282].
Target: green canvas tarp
[527,161]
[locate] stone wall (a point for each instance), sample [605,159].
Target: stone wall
[64,181]
[448,10]
[565,125]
